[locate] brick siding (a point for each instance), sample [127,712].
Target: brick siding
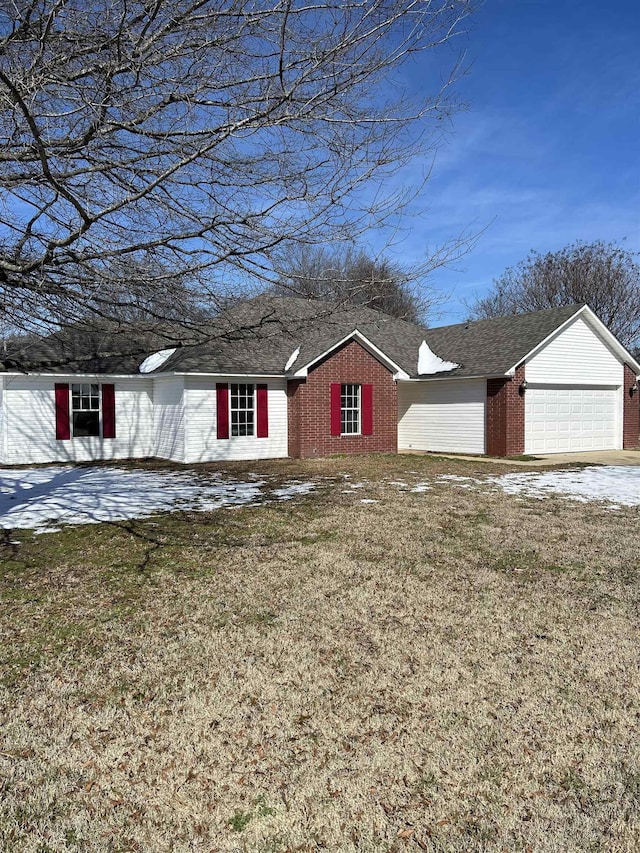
[631,409]
[309,406]
[505,416]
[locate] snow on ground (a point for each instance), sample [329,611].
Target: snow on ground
[43,498]
[618,485]
[292,490]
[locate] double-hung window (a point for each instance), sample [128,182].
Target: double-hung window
[242,409]
[350,409]
[85,408]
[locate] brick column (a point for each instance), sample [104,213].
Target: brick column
[293,417]
[631,412]
[505,416]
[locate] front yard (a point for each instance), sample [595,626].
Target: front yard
[391,661]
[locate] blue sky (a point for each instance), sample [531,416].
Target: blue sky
[547,152]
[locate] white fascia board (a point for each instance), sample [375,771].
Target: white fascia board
[77,375]
[443,378]
[139,376]
[356,335]
[598,326]
[611,339]
[172,373]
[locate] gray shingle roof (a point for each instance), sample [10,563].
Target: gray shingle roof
[98,347]
[258,337]
[491,347]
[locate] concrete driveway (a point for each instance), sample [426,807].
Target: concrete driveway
[593,457]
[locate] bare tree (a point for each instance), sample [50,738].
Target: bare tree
[195,137]
[346,274]
[603,275]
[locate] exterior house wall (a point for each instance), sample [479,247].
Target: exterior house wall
[30,421]
[446,416]
[505,415]
[168,417]
[631,412]
[201,441]
[310,405]
[576,355]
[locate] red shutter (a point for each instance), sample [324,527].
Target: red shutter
[366,413]
[336,405]
[222,410]
[262,412]
[63,427]
[108,411]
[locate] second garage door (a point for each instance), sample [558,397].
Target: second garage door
[560,420]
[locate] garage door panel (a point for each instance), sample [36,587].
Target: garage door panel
[570,419]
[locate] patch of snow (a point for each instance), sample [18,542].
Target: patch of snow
[397,483]
[458,478]
[430,363]
[292,359]
[286,493]
[421,487]
[356,485]
[42,499]
[618,485]
[368,501]
[156,360]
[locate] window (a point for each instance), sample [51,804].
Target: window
[242,409]
[350,410]
[85,409]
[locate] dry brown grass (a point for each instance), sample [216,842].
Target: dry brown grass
[444,671]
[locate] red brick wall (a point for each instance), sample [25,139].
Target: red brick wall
[309,406]
[631,408]
[505,416]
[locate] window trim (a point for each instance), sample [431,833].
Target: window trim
[252,409]
[357,408]
[73,410]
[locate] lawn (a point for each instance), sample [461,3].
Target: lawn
[367,667]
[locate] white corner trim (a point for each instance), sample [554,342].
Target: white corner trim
[623,354]
[356,335]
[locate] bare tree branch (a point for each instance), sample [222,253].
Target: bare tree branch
[195,135]
[605,276]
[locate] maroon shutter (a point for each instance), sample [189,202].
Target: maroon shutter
[262,412]
[366,414]
[222,410]
[336,405]
[108,411]
[63,426]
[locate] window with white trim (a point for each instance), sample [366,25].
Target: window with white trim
[350,410]
[85,408]
[242,408]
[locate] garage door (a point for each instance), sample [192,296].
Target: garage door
[561,420]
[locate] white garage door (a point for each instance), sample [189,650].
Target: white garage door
[561,420]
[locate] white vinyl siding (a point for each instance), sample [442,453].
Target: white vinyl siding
[30,422]
[576,356]
[442,416]
[201,441]
[565,420]
[168,417]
